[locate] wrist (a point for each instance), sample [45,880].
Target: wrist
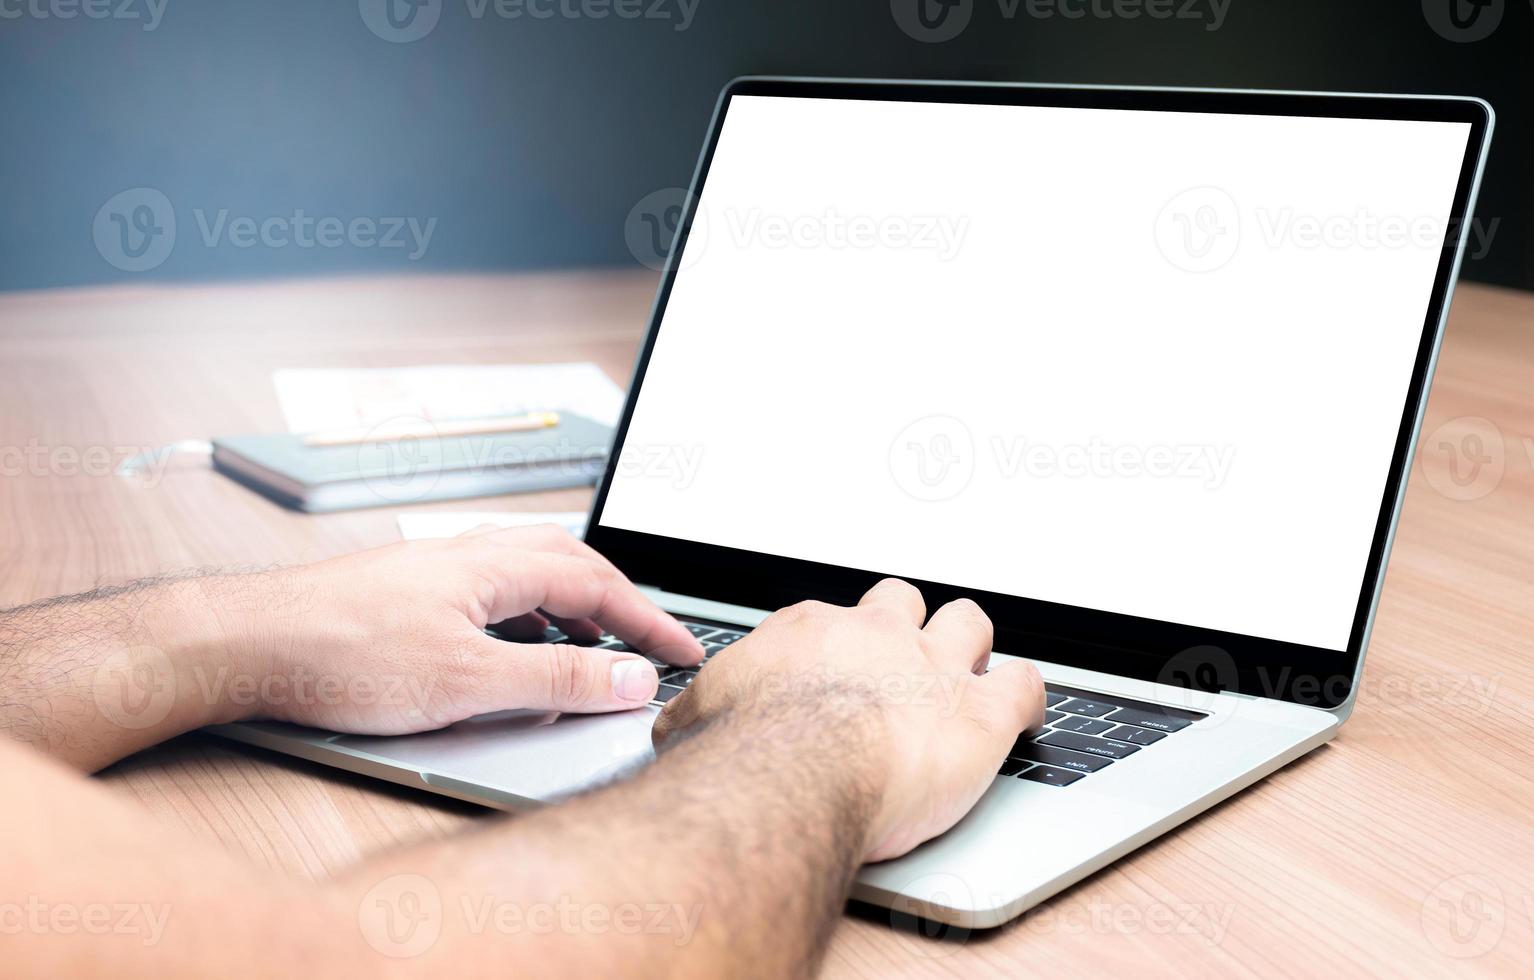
[223,634]
[826,756]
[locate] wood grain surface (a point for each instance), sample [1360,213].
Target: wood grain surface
[1404,848]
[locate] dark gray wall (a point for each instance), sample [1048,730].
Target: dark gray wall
[529,140]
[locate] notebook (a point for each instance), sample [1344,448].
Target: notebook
[391,472]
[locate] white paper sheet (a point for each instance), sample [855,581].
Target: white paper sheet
[317,400]
[417,527]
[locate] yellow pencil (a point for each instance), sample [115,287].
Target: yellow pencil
[422,429]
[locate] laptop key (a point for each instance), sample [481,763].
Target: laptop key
[710,649]
[1049,755]
[1170,720]
[1052,698]
[1050,776]
[1012,767]
[666,692]
[1081,706]
[1086,726]
[1087,744]
[699,630]
[618,646]
[1050,717]
[725,637]
[1137,736]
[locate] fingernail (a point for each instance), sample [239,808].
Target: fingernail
[634,680]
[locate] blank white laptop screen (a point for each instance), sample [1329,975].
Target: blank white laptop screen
[1150,363]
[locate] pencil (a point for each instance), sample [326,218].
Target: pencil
[422,429]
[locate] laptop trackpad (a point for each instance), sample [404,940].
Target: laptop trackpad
[516,756]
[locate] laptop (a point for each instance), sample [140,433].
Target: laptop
[1139,370]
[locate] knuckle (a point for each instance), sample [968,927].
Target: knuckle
[673,719]
[970,608]
[568,674]
[794,613]
[885,617]
[1030,677]
[600,575]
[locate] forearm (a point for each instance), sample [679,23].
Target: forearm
[92,678]
[754,820]
[731,856]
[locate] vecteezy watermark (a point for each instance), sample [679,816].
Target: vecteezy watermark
[911,910]
[400,21]
[1464,917]
[935,459]
[653,229]
[35,916]
[136,231]
[404,915]
[404,21]
[410,692]
[401,916]
[135,687]
[936,21]
[147,13]
[1200,675]
[1466,458]
[1199,230]
[301,230]
[1463,21]
[932,21]
[39,459]
[941,235]
[837,688]
[1064,915]
[402,460]
[1209,921]
[1202,229]
[1102,460]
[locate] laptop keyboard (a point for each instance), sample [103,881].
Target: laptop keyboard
[1086,732]
[673,680]
[1083,731]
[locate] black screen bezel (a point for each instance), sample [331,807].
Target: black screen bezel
[1090,639]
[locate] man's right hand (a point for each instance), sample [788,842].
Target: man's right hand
[911,708]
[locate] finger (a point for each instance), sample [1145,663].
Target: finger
[526,628]
[562,677]
[901,597]
[1021,691]
[583,630]
[573,588]
[960,635]
[554,538]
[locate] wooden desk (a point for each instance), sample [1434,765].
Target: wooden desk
[1353,860]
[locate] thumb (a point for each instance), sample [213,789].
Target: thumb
[562,677]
